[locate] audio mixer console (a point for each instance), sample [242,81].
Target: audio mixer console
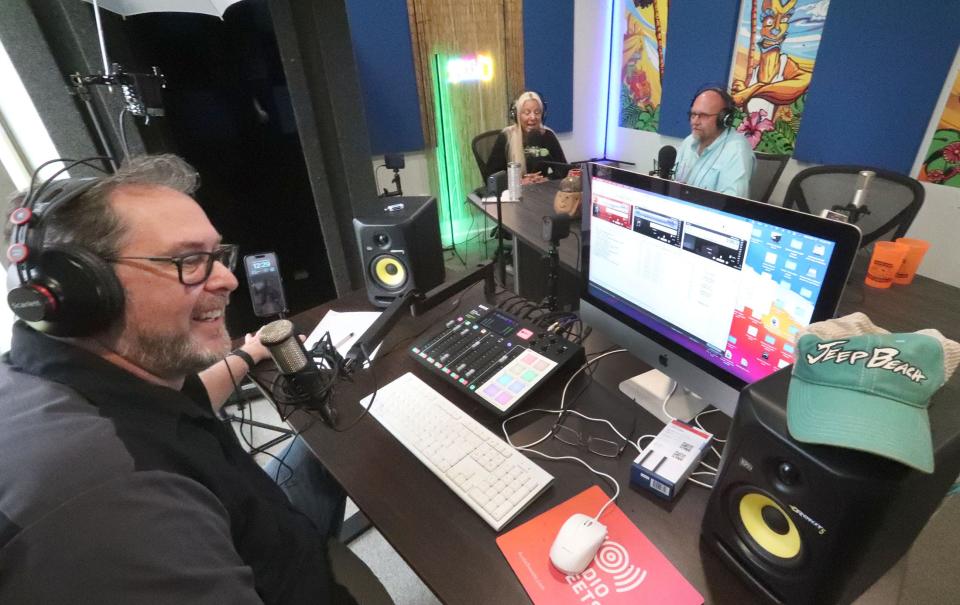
[495,357]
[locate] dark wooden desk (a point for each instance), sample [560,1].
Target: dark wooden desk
[453,550]
[523,219]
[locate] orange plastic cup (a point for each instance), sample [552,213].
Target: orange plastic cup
[907,271]
[884,264]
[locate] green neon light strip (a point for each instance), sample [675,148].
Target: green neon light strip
[453,192]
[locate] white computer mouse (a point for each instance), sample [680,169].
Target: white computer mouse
[576,544]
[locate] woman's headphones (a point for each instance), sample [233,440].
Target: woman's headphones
[725,116]
[526,96]
[62,289]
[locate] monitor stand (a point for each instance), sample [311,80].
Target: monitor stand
[652,387]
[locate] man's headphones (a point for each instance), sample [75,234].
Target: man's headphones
[725,116]
[62,289]
[526,96]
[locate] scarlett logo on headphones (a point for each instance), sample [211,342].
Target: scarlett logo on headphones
[884,358]
[614,561]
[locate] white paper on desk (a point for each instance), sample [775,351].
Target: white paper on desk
[492,199]
[345,329]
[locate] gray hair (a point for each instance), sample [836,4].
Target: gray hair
[91,222]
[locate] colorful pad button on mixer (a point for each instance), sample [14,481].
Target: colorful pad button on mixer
[516,378]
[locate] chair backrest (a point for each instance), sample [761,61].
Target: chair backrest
[766,174]
[482,146]
[893,199]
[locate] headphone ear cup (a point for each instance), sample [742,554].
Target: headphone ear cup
[88,294]
[724,118]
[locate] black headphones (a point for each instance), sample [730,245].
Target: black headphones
[62,289]
[512,109]
[725,116]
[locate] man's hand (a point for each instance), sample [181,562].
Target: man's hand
[254,348]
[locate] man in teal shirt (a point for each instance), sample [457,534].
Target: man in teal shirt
[715,156]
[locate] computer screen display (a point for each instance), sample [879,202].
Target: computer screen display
[726,283]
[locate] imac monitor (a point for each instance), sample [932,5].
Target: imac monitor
[710,289]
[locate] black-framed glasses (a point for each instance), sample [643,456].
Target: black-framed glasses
[195,267]
[696,114]
[596,445]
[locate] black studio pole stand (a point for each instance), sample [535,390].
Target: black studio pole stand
[554,229]
[496,183]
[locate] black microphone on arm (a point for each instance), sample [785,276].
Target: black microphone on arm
[496,183]
[306,383]
[663,165]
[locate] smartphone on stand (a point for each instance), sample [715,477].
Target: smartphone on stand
[265,285]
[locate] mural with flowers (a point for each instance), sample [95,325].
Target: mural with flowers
[641,68]
[776,49]
[942,163]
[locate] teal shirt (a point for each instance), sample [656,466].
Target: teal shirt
[725,166]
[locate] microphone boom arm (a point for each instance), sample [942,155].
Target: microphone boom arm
[418,303]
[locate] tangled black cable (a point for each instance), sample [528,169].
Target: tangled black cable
[249,441]
[330,370]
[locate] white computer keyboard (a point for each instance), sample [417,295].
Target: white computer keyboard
[494,479]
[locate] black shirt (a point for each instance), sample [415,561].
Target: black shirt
[539,150]
[115,490]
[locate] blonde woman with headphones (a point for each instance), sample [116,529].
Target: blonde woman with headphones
[529,142]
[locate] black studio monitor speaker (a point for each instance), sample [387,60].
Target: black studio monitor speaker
[803,523]
[399,239]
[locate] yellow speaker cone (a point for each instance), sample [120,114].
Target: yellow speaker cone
[770,526]
[389,271]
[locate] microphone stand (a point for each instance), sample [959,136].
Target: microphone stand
[501,257]
[606,160]
[396,181]
[553,276]
[852,212]
[555,229]
[496,183]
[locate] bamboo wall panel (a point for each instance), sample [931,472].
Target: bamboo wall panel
[457,28]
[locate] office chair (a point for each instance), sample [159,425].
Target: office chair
[766,175]
[893,199]
[482,146]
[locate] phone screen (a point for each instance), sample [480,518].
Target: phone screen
[263,281]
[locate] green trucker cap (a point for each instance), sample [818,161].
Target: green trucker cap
[857,386]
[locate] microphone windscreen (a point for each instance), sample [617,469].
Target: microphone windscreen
[535,138]
[284,346]
[665,160]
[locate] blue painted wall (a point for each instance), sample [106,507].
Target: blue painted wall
[700,35]
[880,69]
[548,58]
[381,45]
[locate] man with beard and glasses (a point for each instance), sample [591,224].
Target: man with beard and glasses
[118,482]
